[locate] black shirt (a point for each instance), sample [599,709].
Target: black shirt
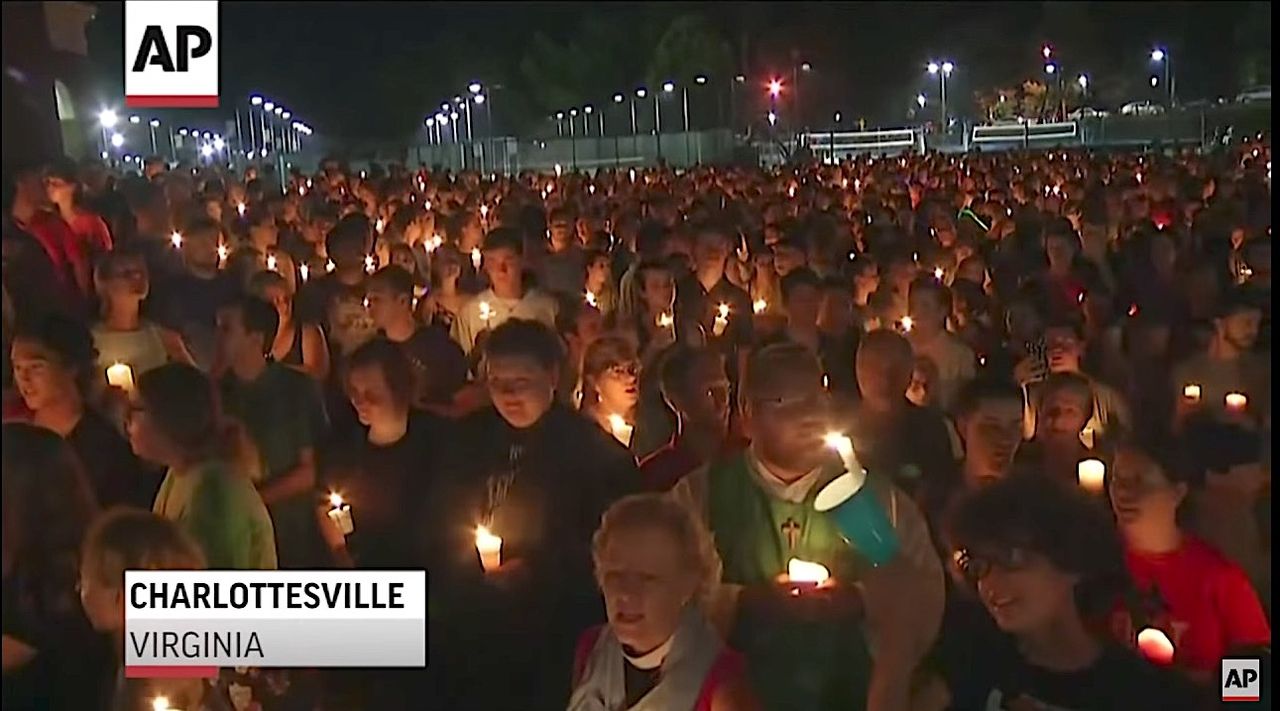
[116,475]
[393,491]
[189,305]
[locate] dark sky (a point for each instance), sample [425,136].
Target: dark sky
[371,69]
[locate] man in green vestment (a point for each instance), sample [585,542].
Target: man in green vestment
[813,650]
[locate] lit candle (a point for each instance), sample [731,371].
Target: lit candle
[161,703]
[308,182]
[826,382]
[486,312]
[621,430]
[176,239]
[759,306]
[558,170]
[1191,393]
[489,547]
[1155,646]
[330,266]
[632,174]
[907,323]
[271,262]
[223,252]
[844,184]
[791,191]
[591,189]
[240,208]
[475,257]
[1092,474]
[591,298]
[434,243]
[1236,402]
[843,447]
[340,514]
[370,264]
[937,273]
[302,192]
[304,271]
[665,320]
[722,320]
[379,225]
[805,575]
[484,212]
[120,375]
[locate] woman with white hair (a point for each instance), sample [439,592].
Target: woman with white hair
[655,564]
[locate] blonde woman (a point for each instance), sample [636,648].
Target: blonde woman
[611,386]
[655,564]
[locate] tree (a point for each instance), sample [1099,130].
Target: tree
[689,47]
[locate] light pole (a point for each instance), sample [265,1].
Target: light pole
[106,120]
[559,123]
[635,129]
[943,71]
[153,124]
[775,91]
[586,121]
[667,88]
[1161,56]
[733,99]
[1052,70]
[430,123]
[835,120]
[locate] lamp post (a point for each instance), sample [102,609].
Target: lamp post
[559,125]
[106,120]
[733,99]
[943,71]
[640,93]
[1162,56]
[153,124]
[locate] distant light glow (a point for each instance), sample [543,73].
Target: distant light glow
[107,118]
[1157,55]
[155,123]
[117,140]
[775,87]
[668,87]
[135,119]
[700,79]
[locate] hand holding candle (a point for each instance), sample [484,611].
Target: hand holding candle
[591,298]
[272,263]
[1191,393]
[489,547]
[665,320]
[906,323]
[805,575]
[759,306]
[476,257]
[370,264]
[1092,474]
[340,514]
[722,320]
[120,375]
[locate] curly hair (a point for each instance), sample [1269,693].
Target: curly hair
[697,548]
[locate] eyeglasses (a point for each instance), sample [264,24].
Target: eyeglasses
[976,566]
[794,404]
[622,370]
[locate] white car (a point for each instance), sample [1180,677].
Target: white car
[1252,94]
[1141,108]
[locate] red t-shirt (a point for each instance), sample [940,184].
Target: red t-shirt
[1210,606]
[92,231]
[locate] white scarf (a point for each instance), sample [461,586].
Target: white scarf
[689,655]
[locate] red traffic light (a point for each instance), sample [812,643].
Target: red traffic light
[1047,51]
[775,87]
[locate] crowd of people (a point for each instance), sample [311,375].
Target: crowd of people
[980,431]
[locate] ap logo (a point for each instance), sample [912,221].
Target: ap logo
[171,53]
[1241,679]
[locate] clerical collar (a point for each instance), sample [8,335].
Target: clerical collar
[793,492]
[652,660]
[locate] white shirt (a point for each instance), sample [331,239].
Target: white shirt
[533,306]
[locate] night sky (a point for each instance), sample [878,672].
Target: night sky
[372,69]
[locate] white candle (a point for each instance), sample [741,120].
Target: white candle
[558,170]
[826,382]
[434,243]
[120,375]
[486,312]
[1236,402]
[304,271]
[937,273]
[484,212]
[176,239]
[632,174]
[621,430]
[844,447]
[223,252]
[665,320]
[379,225]
[907,322]
[722,320]
[1191,393]
[240,208]
[340,514]
[803,571]
[476,257]
[161,703]
[759,306]
[490,548]
[1092,474]
[370,264]
[271,262]
[330,266]
[591,298]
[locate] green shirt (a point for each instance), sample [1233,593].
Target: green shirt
[278,408]
[222,511]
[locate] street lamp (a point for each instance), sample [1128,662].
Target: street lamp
[1050,69]
[920,100]
[117,140]
[1161,56]
[1083,81]
[943,71]
[107,118]
[700,79]
[153,124]
[135,119]
[474,87]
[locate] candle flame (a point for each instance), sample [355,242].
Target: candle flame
[665,320]
[759,306]
[591,298]
[907,322]
[839,442]
[476,257]
[485,538]
[176,239]
[335,499]
[1191,391]
[379,225]
[434,243]
[724,310]
[486,311]
[271,262]
[330,266]
[937,273]
[160,703]
[1155,645]
[370,264]
[240,208]
[484,212]
[222,252]
[632,173]
[803,571]
[1236,401]
[304,271]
